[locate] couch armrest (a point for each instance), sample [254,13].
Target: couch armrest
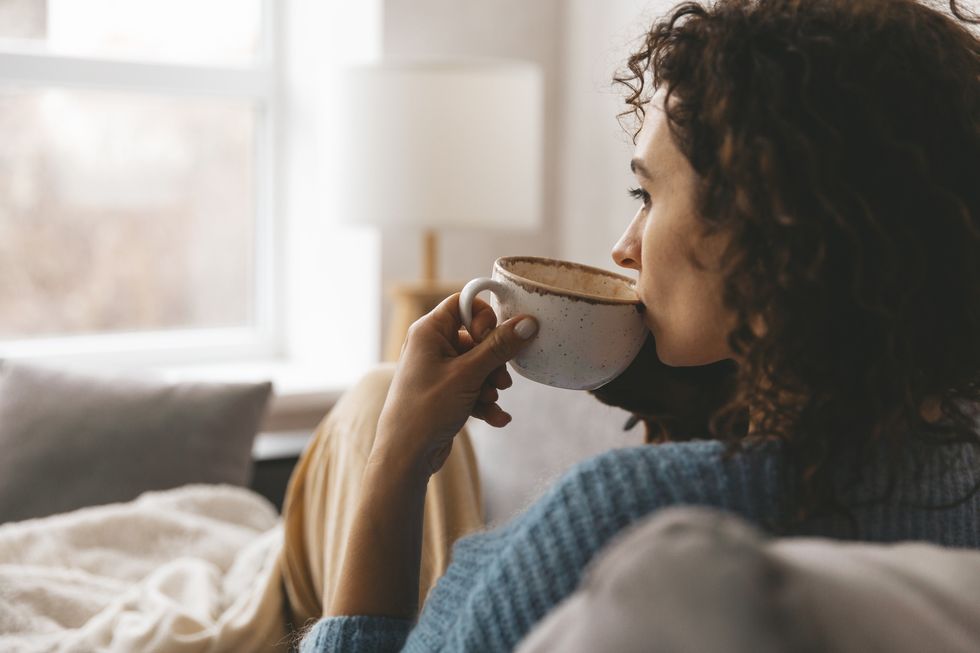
[695,579]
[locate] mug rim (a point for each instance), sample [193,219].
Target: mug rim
[501,262]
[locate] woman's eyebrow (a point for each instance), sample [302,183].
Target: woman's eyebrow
[636,165]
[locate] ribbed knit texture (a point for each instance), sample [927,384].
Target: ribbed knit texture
[501,582]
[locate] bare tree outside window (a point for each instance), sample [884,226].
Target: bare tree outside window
[121,213]
[127,210]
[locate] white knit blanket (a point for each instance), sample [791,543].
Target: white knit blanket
[185,570]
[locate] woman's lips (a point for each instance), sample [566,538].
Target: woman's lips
[644,312]
[639,295]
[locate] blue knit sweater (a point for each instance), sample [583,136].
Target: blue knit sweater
[501,582]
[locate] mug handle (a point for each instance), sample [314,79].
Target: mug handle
[469,293]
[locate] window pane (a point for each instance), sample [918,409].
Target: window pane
[188,31]
[123,212]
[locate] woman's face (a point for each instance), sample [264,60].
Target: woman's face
[683,304]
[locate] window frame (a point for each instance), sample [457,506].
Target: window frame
[259,83]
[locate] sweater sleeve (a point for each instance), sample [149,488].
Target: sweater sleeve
[356,634]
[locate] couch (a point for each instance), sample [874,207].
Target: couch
[552,430]
[694,580]
[684,579]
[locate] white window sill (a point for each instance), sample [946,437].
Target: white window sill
[302,393]
[278,446]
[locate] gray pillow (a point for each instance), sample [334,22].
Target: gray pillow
[702,581]
[69,440]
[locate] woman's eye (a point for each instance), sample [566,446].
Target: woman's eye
[640,194]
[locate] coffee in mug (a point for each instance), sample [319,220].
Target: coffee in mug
[590,321]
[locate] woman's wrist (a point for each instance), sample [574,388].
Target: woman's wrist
[391,463]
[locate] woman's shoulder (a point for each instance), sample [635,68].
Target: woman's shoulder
[600,495]
[693,468]
[629,482]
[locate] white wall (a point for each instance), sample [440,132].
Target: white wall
[594,150]
[578,44]
[325,279]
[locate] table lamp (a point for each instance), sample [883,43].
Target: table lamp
[436,144]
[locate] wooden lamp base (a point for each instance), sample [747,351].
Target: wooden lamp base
[410,301]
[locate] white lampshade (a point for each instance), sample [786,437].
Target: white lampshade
[436,144]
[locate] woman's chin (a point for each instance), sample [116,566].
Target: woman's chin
[668,357]
[684,356]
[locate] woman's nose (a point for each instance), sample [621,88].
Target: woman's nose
[626,252]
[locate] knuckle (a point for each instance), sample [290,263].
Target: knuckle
[413,328]
[479,330]
[498,347]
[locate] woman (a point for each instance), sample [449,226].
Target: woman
[810,214]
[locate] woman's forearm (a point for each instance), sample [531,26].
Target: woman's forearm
[443,378]
[380,572]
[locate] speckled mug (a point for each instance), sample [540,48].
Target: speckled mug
[590,323]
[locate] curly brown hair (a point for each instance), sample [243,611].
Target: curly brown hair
[838,143]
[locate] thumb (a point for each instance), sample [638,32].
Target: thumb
[501,345]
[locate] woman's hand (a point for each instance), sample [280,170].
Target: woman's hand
[443,377]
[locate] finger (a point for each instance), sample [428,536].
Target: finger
[500,346]
[447,319]
[488,394]
[484,321]
[500,378]
[492,414]
[463,342]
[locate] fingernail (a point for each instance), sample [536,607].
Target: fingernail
[484,333]
[526,328]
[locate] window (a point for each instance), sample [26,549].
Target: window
[167,169]
[137,166]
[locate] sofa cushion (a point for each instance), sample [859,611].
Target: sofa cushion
[552,430]
[69,440]
[699,580]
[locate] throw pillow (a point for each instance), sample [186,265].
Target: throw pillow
[69,439]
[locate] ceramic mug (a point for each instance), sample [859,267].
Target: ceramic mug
[590,321]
